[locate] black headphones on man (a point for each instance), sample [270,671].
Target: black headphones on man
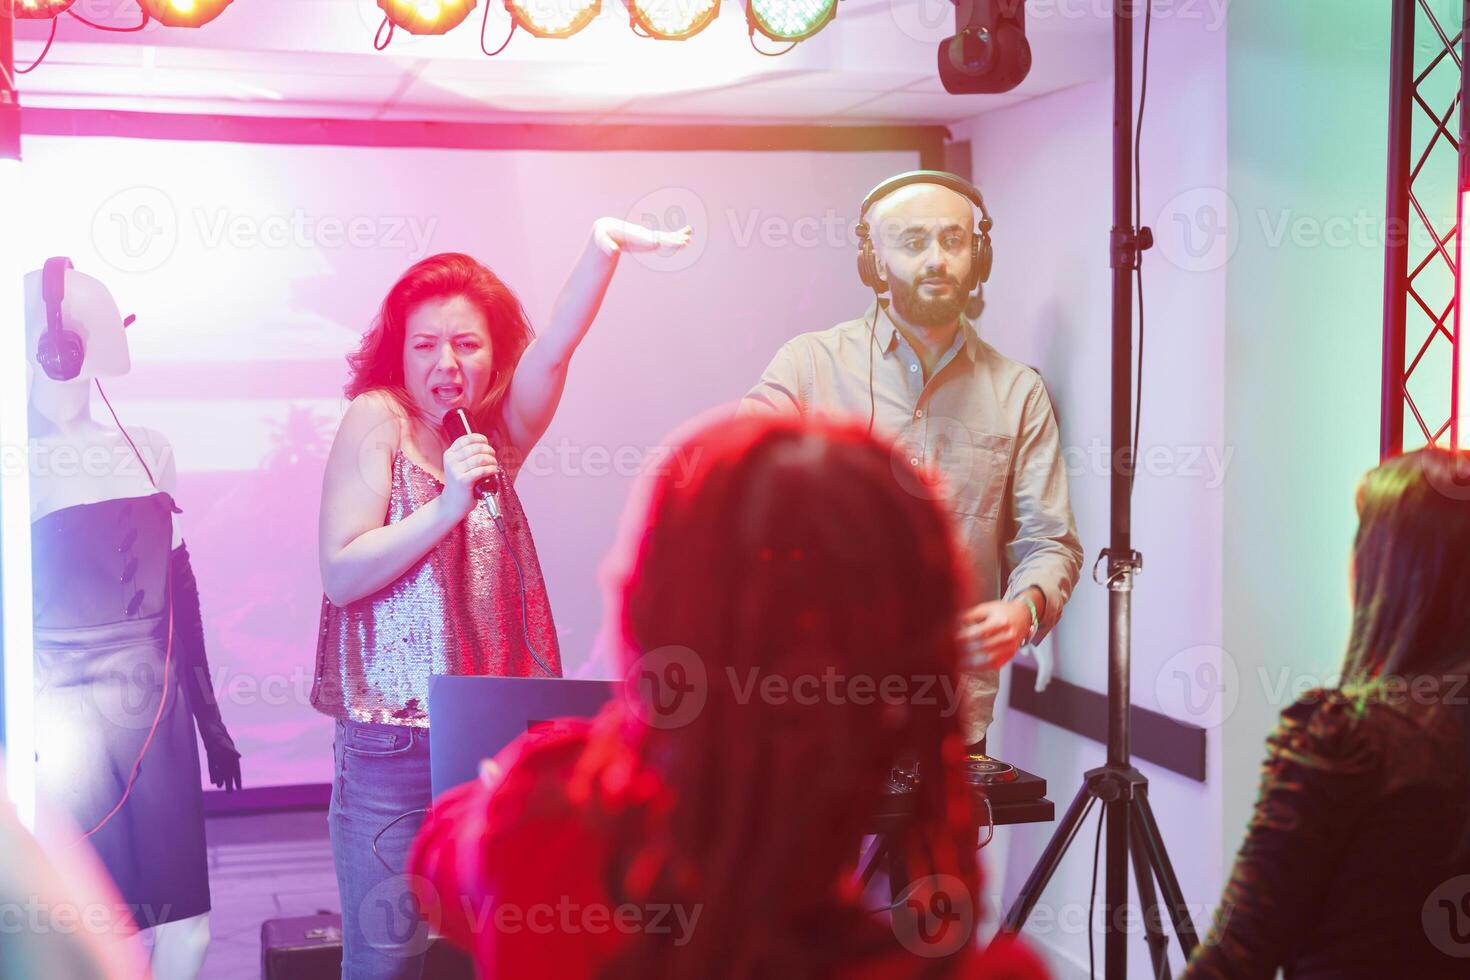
[981,254]
[59,351]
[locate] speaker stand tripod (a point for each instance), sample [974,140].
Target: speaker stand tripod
[1132,832]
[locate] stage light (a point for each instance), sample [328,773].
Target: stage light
[553,18]
[672,20]
[427,16]
[183,13]
[989,51]
[789,20]
[40,9]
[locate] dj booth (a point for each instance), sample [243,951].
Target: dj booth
[476,717]
[1003,795]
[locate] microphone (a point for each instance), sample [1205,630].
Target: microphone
[457,424]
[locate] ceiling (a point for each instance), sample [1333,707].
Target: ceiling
[874,63]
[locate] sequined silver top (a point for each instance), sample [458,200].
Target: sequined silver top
[456,611]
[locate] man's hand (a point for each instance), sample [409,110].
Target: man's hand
[992,632]
[613,235]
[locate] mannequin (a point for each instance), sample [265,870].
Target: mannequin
[118,640]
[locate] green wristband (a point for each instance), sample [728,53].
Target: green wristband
[1035,618]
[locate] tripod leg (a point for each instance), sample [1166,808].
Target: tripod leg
[870,862]
[1115,890]
[1061,839]
[1153,927]
[898,867]
[1153,843]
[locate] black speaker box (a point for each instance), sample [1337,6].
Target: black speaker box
[309,947]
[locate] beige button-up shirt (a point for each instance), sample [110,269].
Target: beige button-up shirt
[983,422]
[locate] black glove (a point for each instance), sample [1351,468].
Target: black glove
[224,758]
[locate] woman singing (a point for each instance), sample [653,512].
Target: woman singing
[418,580]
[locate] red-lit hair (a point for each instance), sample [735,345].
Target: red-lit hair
[789,549]
[377,364]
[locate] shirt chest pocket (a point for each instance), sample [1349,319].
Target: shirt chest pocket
[975,466]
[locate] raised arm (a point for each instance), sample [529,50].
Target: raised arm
[359,553]
[542,373]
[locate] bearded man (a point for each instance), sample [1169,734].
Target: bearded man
[913,369]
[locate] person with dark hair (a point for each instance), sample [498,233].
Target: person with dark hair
[1354,863]
[417,579]
[717,836]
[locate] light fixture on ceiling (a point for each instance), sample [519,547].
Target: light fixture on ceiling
[789,20]
[183,13]
[989,51]
[426,16]
[553,18]
[39,9]
[672,20]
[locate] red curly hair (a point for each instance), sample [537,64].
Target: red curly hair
[792,549]
[377,364]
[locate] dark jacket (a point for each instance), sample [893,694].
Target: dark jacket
[1349,868]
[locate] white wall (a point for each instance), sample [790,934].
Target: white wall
[248,296]
[1308,149]
[1045,169]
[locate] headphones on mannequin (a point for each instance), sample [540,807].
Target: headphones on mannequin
[59,351]
[981,253]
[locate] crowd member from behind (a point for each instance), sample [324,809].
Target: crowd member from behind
[791,552]
[1356,861]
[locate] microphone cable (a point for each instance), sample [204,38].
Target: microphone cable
[462,425]
[515,559]
[872,342]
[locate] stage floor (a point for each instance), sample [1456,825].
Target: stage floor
[263,866]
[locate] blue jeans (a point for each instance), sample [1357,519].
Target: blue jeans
[381,774]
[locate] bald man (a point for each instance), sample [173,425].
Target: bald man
[914,370]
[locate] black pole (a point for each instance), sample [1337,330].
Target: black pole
[1121,787]
[1124,260]
[1396,244]
[1456,377]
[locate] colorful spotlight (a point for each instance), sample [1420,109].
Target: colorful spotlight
[672,20]
[183,13]
[553,18]
[427,16]
[789,20]
[40,9]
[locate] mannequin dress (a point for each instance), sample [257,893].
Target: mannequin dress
[115,632]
